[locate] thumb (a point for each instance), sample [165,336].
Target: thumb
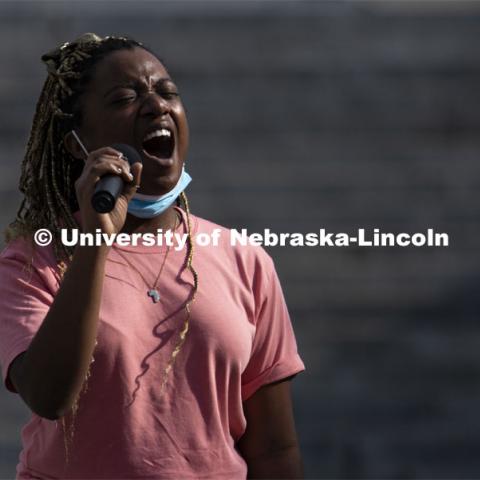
[131,188]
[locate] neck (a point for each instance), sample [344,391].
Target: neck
[166,220]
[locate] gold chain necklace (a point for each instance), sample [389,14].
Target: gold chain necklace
[152,292]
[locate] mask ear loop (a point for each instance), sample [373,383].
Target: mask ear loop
[82,146]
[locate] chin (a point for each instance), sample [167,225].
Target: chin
[159,185]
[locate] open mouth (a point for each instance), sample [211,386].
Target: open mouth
[159,143]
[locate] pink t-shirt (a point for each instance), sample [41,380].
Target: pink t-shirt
[240,338]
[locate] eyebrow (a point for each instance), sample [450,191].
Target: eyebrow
[134,84]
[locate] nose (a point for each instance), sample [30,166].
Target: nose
[154,105]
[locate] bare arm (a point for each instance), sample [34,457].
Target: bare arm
[50,374]
[269,444]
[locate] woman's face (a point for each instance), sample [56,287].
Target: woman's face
[131,99]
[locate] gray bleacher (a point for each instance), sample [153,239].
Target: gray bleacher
[306,115]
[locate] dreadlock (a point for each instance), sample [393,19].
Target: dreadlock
[49,171]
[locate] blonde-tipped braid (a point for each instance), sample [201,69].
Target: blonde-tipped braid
[188,305]
[49,172]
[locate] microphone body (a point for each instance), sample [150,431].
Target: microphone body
[109,187]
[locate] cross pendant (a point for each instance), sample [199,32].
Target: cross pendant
[153,292]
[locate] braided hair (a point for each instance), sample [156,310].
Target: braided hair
[49,171]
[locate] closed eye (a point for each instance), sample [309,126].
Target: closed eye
[124,99]
[124,95]
[168,94]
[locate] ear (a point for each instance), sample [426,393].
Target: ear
[72,146]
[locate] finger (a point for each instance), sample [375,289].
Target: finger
[109,168]
[104,151]
[131,187]
[110,158]
[123,168]
[98,165]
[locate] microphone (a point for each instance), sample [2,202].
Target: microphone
[109,187]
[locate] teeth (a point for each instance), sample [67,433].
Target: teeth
[158,133]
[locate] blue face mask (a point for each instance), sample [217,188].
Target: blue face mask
[149,206]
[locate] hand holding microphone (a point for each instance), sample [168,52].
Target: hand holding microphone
[106,184]
[109,187]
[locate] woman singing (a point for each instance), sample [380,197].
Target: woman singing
[136,361]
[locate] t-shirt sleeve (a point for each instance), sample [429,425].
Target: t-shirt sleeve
[274,354]
[25,298]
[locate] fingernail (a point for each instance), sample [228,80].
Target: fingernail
[130,176]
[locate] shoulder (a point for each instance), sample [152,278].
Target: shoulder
[22,256]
